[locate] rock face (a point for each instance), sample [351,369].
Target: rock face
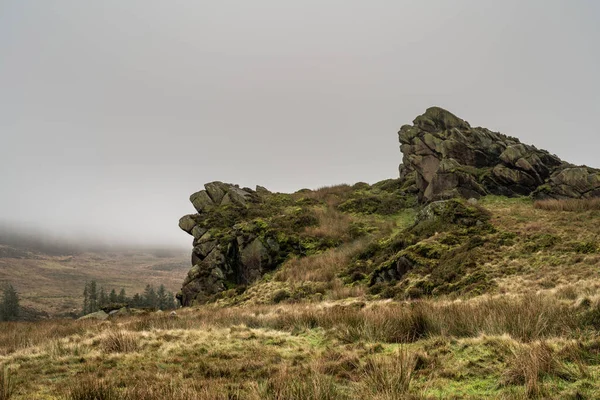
[444,157]
[223,251]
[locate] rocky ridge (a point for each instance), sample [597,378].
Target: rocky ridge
[241,234]
[444,157]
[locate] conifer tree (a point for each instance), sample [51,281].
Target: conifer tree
[112,297]
[86,300]
[122,298]
[93,297]
[102,298]
[150,299]
[161,298]
[9,308]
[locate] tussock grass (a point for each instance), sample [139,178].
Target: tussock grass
[322,267]
[331,350]
[7,383]
[331,195]
[284,386]
[526,318]
[531,363]
[20,335]
[332,224]
[92,389]
[119,341]
[568,204]
[388,378]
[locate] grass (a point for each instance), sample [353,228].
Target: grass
[7,385]
[535,345]
[54,284]
[389,377]
[306,331]
[119,341]
[576,205]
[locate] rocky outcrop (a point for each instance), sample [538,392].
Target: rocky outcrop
[444,157]
[226,252]
[240,234]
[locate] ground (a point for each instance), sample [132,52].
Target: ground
[525,324]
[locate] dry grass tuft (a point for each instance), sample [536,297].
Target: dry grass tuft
[332,224]
[568,204]
[322,267]
[285,386]
[531,363]
[7,384]
[331,195]
[92,389]
[388,378]
[119,341]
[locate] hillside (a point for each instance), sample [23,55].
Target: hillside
[473,275]
[53,284]
[423,234]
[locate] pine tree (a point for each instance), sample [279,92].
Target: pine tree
[136,301]
[112,297]
[150,299]
[10,304]
[93,297]
[122,298]
[86,300]
[102,298]
[161,298]
[171,301]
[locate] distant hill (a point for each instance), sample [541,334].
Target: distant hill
[50,275]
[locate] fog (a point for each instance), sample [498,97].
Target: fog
[113,112]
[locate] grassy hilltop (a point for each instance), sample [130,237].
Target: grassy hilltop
[379,299]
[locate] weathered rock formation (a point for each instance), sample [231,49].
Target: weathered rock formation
[224,252]
[446,157]
[240,233]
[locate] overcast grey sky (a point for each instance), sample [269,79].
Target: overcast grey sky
[113,112]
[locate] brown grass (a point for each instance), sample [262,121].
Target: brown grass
[388,378]
[332,224]
[21,335]
[531,363]
[7,384]
[331,195]
[119,341]
[568,204]
[322,267]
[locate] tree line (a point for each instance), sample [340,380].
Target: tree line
[9,306]
[94,298]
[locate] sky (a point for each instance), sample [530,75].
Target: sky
[113,112]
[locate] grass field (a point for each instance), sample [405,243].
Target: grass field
[528,328]
[54,284]
[494,347]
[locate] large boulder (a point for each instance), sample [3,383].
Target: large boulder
[446,157]
[240,234]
